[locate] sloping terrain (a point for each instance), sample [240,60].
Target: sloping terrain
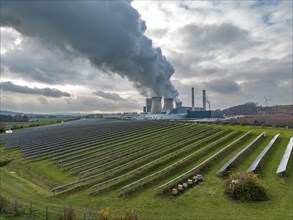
[135,164]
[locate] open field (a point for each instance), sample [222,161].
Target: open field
[94,164]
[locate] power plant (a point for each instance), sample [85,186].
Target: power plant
[154,110]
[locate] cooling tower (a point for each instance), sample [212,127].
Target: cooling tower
[204,99]
[148,104]
[192,98]
[156,105]
[168,105]
[178,104]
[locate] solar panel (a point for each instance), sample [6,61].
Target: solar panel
[285,158]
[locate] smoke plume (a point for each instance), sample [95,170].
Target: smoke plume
[108,33]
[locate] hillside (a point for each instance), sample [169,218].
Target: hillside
[251,108]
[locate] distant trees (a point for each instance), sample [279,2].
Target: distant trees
[248,108]
[14,118]
[251,108]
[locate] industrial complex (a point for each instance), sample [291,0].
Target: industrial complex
[154,110]
[165,108]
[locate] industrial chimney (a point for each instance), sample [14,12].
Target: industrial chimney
[168,105]
[148,104]
[156,105]
[192,98]
[204,99]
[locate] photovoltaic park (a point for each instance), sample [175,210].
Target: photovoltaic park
[148,166]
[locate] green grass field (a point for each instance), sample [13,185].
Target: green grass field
[28,181]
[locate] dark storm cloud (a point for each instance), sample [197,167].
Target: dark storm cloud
[41,65]
[223,86]
[33,61]
[10,87]
[215,37]
[111,96]
[108,33]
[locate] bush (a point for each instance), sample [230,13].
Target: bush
[34,125]
[4,162]
[246,187]
[2,127]
[127,214]
[104,214]
[15,127]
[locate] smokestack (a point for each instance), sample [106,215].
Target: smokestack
[148,104]
[168,105]
[204,99]
[156,105]
[192,98]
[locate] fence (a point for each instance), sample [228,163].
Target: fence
[29,210]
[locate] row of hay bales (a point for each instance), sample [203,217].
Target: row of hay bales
[186,185]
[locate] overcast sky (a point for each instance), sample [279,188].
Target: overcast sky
[107,56]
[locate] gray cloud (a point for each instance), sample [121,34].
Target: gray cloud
[215,37]
[50,66]
[223,86]
[43,100]
[10,87]
[111,96]
[257,69]
[108,33]
[80,104]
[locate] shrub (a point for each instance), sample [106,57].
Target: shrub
[15,127]
[34,125]
[246,187]
[2,127]
[4,162]
[127,214]
[104,214]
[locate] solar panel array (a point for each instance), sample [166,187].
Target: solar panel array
[108,154]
